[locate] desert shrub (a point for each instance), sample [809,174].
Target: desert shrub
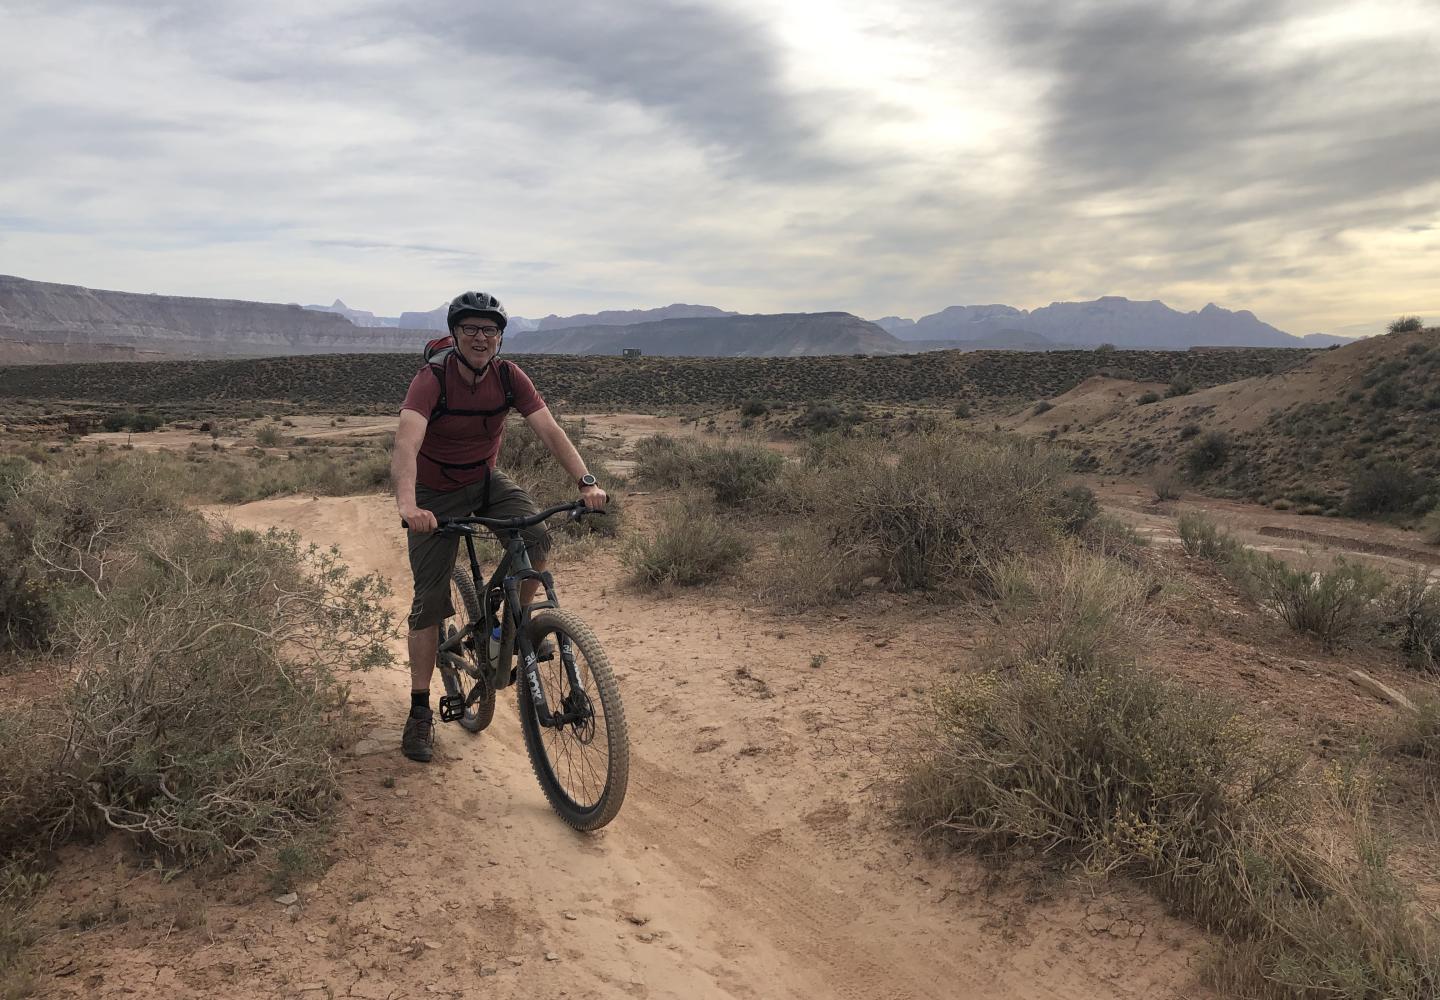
[1383,488]
[691,544]
[1146,398]
[1188,431]
[1074,608]
[1164,486]
[268,436]
[199,700]
[1044,406]
[1336,605]
[27,615]
[1182,386]
[753,408]
[1076,508]
[142,423]
[914,518]
[1111,537]
[823,418]
[1202,537]
[1429,528]
[1385,395]
[1208,453]
[14,469]
[962,410]
[1105,349]
[1417,734]
[1406,324]
[1116,770]
[734,473]
[1412,615]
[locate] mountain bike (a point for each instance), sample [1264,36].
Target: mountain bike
[570,712]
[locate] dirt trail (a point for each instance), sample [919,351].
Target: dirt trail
[752,859]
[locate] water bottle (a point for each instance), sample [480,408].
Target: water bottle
[495,644]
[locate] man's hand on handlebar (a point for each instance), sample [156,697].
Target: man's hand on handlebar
[419,520]
[594,497]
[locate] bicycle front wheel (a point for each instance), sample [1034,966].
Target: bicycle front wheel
[582,764]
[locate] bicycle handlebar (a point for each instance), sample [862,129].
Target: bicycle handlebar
[577,508]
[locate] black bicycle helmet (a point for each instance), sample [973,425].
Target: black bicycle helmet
[470,304]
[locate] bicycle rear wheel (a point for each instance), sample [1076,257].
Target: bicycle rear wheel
[481,711]
[583,766]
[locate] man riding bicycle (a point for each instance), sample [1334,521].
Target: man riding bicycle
[443,465]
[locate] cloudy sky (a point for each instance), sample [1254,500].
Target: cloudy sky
[1281,156]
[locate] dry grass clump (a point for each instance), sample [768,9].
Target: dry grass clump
[1202,537]
[1074,609]
[809,571]
[735,473]
[197,700]
[946,511]
[1430,527]
[691,544]
[1080,756]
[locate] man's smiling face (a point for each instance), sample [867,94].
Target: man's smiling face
[478,338]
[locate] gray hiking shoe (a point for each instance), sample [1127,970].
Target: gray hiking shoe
[418,742]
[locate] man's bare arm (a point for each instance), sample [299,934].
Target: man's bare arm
[558,443]
[402,470]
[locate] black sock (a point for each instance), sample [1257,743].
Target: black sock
[420,703]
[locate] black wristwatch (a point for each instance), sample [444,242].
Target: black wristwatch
[587,480]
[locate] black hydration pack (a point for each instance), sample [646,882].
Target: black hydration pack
[437,356]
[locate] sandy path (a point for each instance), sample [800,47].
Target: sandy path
[752,859]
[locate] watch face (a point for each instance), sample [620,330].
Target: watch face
[587,480]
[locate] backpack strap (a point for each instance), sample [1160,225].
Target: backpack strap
[437,364]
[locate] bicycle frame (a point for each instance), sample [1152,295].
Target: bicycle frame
[513,569]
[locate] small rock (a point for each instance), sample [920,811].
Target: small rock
[550,956]
[645,936]
[432,945]
[881,643]
[637,919]
[488,970]
[402,793]
[293,912]
[708,883]
[289,899]
[515,960]
[569,916]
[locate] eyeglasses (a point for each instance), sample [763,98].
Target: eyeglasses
[472,330]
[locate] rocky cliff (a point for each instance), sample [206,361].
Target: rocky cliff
[71,323]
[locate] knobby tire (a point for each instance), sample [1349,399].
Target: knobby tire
[559,756]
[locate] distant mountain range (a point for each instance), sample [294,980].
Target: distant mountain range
[41,321]
[726,334]
[1107,320]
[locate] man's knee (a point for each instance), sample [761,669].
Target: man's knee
[430,607]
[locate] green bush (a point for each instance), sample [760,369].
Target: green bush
[1180,387]
[1413,614]
[1202,537]
[1336,605]
[1044,406]
[1406,324]
[1077,507]
[912,517]
[753,408]
[690,545]
[1146,398]
[1383,488]
[1209,453]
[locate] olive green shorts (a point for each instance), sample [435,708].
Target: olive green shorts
[432,556]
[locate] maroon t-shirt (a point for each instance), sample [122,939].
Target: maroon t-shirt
[462,440]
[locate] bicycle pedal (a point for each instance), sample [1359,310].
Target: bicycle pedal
[452,707]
